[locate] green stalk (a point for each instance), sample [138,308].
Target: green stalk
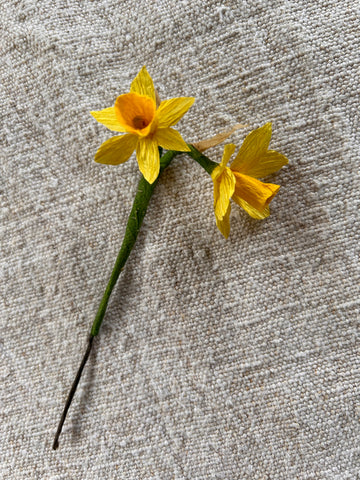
[137,214]
[202,160]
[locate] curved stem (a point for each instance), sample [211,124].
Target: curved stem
[137,214]
[207,164]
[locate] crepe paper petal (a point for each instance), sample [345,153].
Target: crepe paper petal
[217,139]
[224,187]
[116,150]
[224,224]
[256,193]
[147,155]
[270,163]
[171,111]
[239,181]
[171,139]
[253,212]
[136,113]
[252,150]
[229,149]
[218,170]
[108,118]
[143,84]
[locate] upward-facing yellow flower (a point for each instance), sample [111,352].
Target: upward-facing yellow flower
[240,183]
[145,126]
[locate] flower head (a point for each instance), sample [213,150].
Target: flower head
[146,127]
[240,183]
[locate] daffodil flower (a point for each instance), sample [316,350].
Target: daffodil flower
[240,183]
[146,127]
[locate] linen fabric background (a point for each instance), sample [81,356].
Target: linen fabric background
[217,359]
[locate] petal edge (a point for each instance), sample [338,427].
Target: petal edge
[171,111]
[147,155]
[108,117]
[253,212]
[143,84]
[116,150]
[171,139]
[253,148]
[224,224]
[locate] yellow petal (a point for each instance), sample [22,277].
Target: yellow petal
[136,113]
[255,193]
[257,214]
[170,139]
[228,151]
[108,118]
[116,150]
[143,84]
[147,154]
[270,163]
[170,111]
[252,150]
[224,187]
[224,224]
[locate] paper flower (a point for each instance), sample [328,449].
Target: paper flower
[240,183]
[145,126]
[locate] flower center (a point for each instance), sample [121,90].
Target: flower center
[140,122]
[135,113]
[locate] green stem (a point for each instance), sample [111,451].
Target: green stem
[136,217]
[137,214]
[202,160]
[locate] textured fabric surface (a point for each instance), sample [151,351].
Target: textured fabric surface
[217,359]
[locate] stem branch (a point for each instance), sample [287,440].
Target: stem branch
[202,160]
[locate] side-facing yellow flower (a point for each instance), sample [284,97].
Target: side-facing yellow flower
[145,126]
[240,183]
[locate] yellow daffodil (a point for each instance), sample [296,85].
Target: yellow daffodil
[240,183]
[146,127]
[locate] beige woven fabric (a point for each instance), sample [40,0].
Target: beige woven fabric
[217,359]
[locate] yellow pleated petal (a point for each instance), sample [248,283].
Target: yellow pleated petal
[108,118]
[252,150]
[257,194]
[147,154]
[257,214]
[228,151]
[171,111]
[224,187]
[116,150]
[170,139]
[270,163]
[143,84]
[224,224]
